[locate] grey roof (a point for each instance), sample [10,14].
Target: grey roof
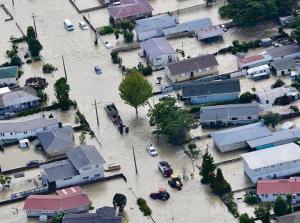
[221,112]
[284,63]
[84,155]
[209,88]
[59,170]
[57,138]
[213,31]
[192,64]
[291,218]
[189,26]
[284,50]
[103,215]
[8,72]
[17,97]
[240,134]
[275,137]
[26,124]
[155,22]
[157,46]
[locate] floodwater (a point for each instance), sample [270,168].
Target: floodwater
[195,202]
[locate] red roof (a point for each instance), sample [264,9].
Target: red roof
[250,59]
[68,198]
[279,186]
[129,8]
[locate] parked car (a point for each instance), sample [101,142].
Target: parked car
[34,163]
[151,150]
[111,167]
[166,97]
[83,25]
[175,182]
[68,25]
[98,70]
[162,194]
[165,168]
[108,45]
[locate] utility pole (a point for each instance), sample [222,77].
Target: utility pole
[63,60]
[33,18]
[136,170]
[96,113]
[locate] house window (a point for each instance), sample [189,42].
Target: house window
[157,59]
[2,134]
[85,178]
[266,195]
[233,118]
[68,178]
[97,175]
[249,117]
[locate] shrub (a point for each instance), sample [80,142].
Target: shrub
[114,57]
[128,36]
[294,108]
[278,83]
[16,61]
[106,30]
[48,68]
[251,199]
[231,205]
[143,206]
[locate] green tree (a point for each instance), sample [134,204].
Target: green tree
[262,212]
[128,36]
[135,90]
[120,201]
[127,25]
[31,33]
[42,95]
[62,93]
[34,47]
[208,167]
[82,137]
[244,218]
[58,218]
[219,185]
[278,83]
[117,34]
[280,206]
[246,97]
[171,121]
[271,119]
[16,61]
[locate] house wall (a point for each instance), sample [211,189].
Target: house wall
[272,197]
[19,107]
[135,17]
[233,146]
[7,81]
[285,72]
[37,213]
[188,76]
[162,60]
[269,145]
[252,64]
[214,98]
[275,171]
[59,151]
[229,120]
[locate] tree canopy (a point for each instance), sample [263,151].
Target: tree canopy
[262,212]
[62,93]
[34,44]
[280,206]
[135,90]
[250,12]
[120,201]
[171,121]
[208,167]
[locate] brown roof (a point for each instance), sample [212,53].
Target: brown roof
[192,64]
[250,59]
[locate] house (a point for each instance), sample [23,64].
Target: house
[192,68]
[215,91]
[188,27]
[272,96]
[222,115]
[253,61]
[209,34]
[280,161]
[284,66]
[275,139]
[105,214]
[129,10]
[269,190]
[26,127]
[290,218]
[236,138]
[83,164]
[8,75]
[57,141]
[158,52]
[286,51]
[153,27]
[18,100]
[69,200]
[285,20]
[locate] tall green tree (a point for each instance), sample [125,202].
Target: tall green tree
[171,121]
[62,90]
[208,168]
[244,218]
[120,201]
[219,185]
[31,33]
[281,206]
[262,212]
[135,90]
[34,44]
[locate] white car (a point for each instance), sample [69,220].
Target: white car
[83,25]
[108,45]
[151,150]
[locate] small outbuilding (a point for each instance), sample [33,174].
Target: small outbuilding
[284,66]
[8,75]
[210,34]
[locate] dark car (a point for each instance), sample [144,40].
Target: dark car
[34,163]
[162,194]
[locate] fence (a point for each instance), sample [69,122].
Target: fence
[87,9]
[7,12]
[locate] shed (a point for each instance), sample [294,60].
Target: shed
[213,33]
[284,66]
[8,75]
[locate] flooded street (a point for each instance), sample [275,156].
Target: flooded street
[195,201]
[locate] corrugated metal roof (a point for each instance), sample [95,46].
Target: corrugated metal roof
[17,97]
[240,134]
[8,72]
[284,50]
[284,63]
[205,33]
[155,22]
[274,156]
[157,46]
[221,112]
[209,88]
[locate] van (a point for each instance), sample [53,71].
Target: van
[68,25]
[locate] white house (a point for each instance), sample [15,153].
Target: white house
[84,164]
[236,138]
[21,128]
[8,75]
[158,52]
[275,162]
[269,190]
[269,97]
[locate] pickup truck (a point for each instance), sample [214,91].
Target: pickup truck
[165,168]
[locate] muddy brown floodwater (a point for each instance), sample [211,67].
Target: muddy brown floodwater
[195,202]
